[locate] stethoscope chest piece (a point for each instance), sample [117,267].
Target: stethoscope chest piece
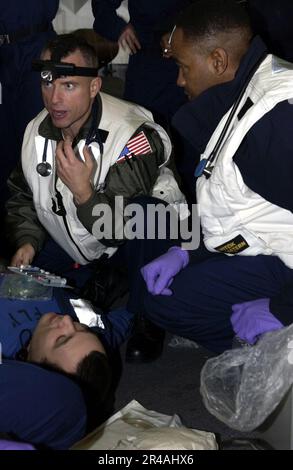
[44,169]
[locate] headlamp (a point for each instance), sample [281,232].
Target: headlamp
[51,70]
[47,75]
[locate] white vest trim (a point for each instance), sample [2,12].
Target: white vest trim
[132,117]
[235,219]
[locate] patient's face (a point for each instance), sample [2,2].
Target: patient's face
[59,340]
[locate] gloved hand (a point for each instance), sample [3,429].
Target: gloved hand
[14,445]
[159,274]
[251,319]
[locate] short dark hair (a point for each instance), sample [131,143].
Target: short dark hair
[94,372]
[64,44]
[206,18]
[94,377]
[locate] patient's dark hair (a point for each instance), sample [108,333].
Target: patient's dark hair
[65,44]
[207,18]
[94,370]
[94,377]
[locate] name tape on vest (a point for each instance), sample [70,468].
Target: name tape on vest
[234,246]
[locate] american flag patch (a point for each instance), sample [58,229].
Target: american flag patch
[138,145]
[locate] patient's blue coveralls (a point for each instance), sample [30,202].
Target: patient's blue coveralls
[36,405]
[30,25]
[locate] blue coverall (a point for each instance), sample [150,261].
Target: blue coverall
[150,78]
[29,25]
[37,405]
[204,291]
[272,20]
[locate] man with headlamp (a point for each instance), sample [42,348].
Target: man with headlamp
[83,150]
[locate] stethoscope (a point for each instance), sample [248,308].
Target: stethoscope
[206,165]
[45,168]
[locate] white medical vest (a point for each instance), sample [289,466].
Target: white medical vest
[235,219]
[121,119]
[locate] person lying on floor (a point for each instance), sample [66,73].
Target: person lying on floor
[57,378]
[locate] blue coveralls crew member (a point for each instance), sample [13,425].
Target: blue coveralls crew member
[150,78]
[25,27]
[273,22]
[78,154]
[37,404]
[245,193]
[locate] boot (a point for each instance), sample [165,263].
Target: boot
[146,343]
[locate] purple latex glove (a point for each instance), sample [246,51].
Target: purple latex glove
[159,274]
[251,319]
[12,445]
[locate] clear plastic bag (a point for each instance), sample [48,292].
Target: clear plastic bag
[16,287]
[241,387]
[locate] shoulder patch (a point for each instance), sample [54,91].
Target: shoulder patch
[137,145]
